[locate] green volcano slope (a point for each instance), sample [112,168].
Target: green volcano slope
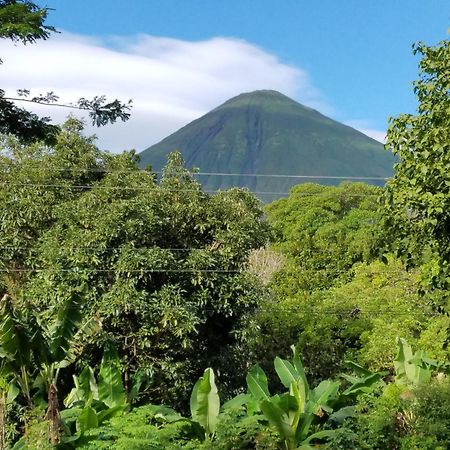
[265,132]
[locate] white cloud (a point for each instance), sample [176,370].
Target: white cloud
[366,127]
[170,81]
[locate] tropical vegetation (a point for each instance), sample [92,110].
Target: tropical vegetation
[139,311]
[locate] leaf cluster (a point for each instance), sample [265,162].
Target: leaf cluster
[416,201]
[23,21]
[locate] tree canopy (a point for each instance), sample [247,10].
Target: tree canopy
[160,263]
[417,199]
[323,231]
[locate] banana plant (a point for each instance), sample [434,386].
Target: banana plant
[8,393]
[364,382]
[205,403]
[294,412]
[93,401]
[17,345]
[414,368]
[33,352]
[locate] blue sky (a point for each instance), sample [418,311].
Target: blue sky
[353,57]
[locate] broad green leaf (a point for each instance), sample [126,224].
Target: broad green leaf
[304,424]
[70,415]
[321,394]
[13,392]
[70,440]
[110,412]
[319,435]
[14,339]
[404,354]
[286,372]
[138,380]
[87,419]
[342,414]
[20,444]
[300,403]
[253,407]
[357,368]
[110,385]
[205,402]
[64,328]
[278,419]
[236,402]
[364,385]
[299,367]
[409,366]
[257,383]
[160,410]
[286,402]
[85,387]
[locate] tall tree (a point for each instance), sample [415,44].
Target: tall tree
[323,231]
[417,199]
[161,263]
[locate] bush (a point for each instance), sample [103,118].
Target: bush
[144,429]
[430,417]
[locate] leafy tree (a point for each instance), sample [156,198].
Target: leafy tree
[23,21]
[323,231]
[416,200]
[161,264]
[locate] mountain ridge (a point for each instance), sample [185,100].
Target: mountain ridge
[266,132]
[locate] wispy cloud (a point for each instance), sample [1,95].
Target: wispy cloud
[170,81]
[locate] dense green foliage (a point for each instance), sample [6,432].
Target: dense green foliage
[417,199]
[357,320]
[158,265]
[265,132]
[249,420]
[23,21]
[323,231]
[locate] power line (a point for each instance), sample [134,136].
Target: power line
[124,247]
[83,270]
[263,175]
[217,174]
[163,189]
[352,312]
[39,102]
[80,270]
[144,248]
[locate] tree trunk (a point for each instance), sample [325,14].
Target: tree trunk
[2,420]
[52,414]
[127,384]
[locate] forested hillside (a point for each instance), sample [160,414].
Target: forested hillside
[255,137]
[139,311]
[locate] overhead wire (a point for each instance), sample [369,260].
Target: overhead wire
[224,271]
[159,189]
[218,174]
[83,270]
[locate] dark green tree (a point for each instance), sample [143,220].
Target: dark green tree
[161,263]
[417,199]
[323,231]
